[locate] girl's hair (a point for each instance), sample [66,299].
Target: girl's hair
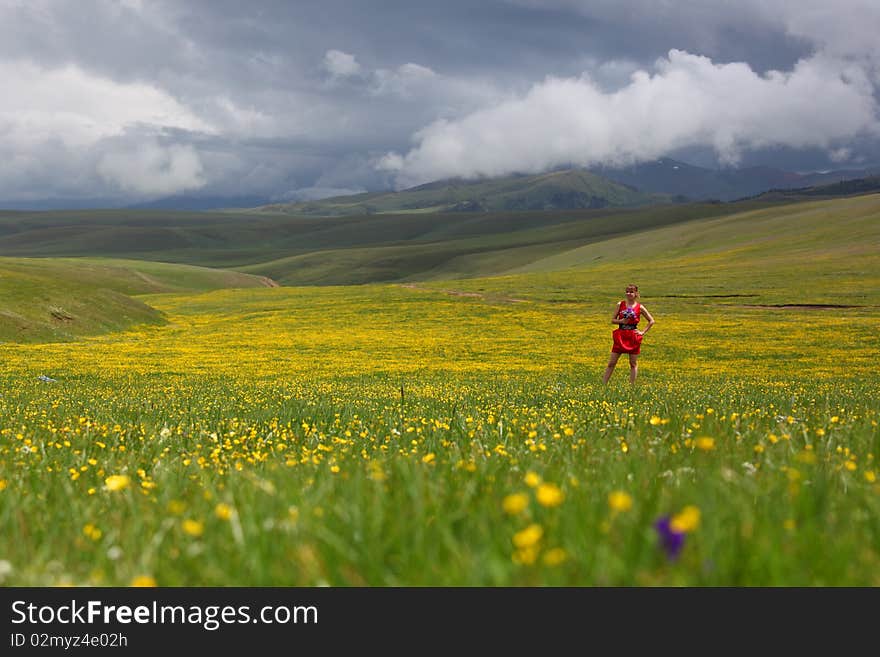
[633,287]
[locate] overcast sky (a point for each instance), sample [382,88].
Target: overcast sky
[140,99]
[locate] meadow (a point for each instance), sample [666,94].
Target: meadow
[456,432]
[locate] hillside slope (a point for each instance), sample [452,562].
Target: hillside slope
[569,189]
[820,253]
[56,300]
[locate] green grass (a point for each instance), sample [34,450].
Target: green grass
[230,240]
[548,191]
[60,299]
[375,434]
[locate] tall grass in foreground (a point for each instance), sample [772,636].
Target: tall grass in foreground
[374,436]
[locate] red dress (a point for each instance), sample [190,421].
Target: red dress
[626,340]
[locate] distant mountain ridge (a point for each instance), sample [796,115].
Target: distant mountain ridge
[557,190]
[660,181]
[855,187]
[187,203]
[668,176]
[663,180]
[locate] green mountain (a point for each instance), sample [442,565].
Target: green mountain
[858,186]
[668,176]
[326,250]
[558,190]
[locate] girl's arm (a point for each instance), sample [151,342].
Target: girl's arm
[614,317]
[650,320]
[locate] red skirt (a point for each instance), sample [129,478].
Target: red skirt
[626,341]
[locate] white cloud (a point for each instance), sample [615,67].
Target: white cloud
[78,108]
[341,64]
[406,81]
[148,168]
[58,124]
[688,100]
[840,155]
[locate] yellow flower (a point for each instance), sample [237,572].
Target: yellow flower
[515,503]
[223,511]
[686,521]
[526,556]
[143,581]
[705,443]
[655,420]
[620,501]
[92,532]
[176,507]
[533,479]
[427,458]
[117,482]
[555,557]
[549,495]
[808,456]
[528,537]
[193,527]
[3,484]
[870,477]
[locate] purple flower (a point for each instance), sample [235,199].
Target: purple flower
[670,540]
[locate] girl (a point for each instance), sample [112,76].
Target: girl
[627,338]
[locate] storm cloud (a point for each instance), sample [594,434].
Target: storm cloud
[132,100]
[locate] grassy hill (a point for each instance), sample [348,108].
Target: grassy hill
[569,189]
[283,247]
[821,252]
[550,256]
[56,300]
[858,186]
[673,177]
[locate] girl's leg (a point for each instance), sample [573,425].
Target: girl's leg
[633,367]
[611,363]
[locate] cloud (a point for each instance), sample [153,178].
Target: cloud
[148,168]
[80,108]
[341,64]
[687,101]
[270,96]
[405,81]
[59,122]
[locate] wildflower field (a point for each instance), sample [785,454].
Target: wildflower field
[458,433]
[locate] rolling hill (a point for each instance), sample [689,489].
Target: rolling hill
[85,271]
[858,186]
[568,189]
[326,251]
[668,176]
[61,299]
